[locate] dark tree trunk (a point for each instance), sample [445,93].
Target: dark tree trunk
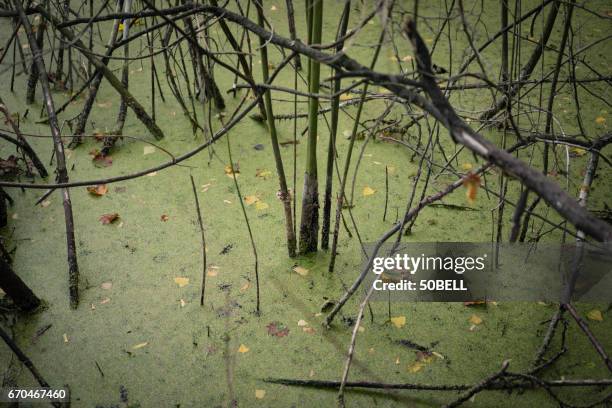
[15,288]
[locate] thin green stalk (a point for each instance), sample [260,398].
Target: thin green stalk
[280,170]
[309,226]
[347,162]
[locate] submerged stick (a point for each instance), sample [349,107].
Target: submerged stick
[201,225]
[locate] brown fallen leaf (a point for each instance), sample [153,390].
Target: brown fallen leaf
[164,218]
[98,190]
[106,219]
[300,270]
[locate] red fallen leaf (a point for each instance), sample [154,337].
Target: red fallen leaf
[277,329]
[164,218]
[99,159]
[109,218]
[98,190]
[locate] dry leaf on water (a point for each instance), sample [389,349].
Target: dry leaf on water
[260,394]
[300,270]
[474,319]
[471,182]
[260,205]
[399,321]
[232,171]
[181,281]
[263,173]
[106,219]
[368,191]
[98,190]
[277,329]
[251,199]
[212,270]
[595,315]
[99,159]
[415,367]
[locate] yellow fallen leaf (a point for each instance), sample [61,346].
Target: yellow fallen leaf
[397,360]
[45,203]
[263,173]
[415,367]
[600,120]
[260,394]
[595,315]
[273,8]
[475,319]
[300,270]
[65,338]
[140,345]
[467,166]
[250,199]
[345,96]
[577,151]
[399,321]
[148,150]
[245,287]
[368,191]
[243,349]
[181,281]
[407,58]
[260,205]
[302,323]
[212,271]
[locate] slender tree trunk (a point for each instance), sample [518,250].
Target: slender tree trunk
[33,78]
[292,31]
[331,149]
[59,70]
[309,226]
[125,71]
[62,173]
[21,295]
[285,196]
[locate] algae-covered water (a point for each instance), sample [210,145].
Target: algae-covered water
[140,337]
